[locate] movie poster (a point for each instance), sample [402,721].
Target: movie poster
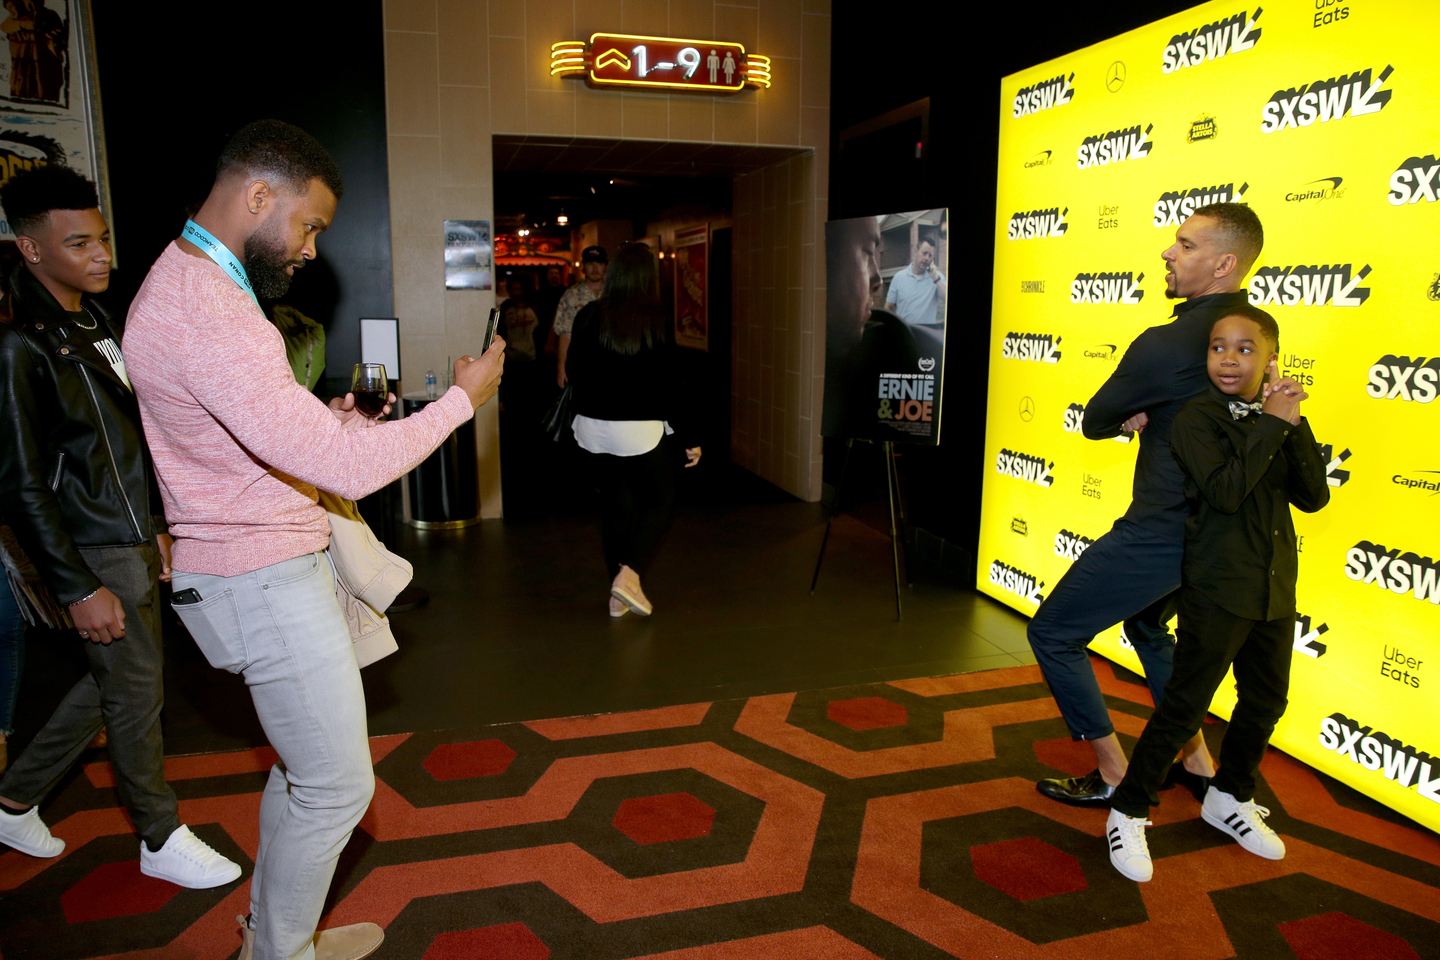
[49,105]
[885,326]
[692,255]
[469,255]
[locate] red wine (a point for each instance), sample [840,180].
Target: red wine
[369,402]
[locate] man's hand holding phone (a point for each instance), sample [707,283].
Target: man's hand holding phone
[480,378]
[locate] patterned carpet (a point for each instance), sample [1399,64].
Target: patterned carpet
[897,821]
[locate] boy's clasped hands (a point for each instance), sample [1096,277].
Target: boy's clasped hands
[1282,395]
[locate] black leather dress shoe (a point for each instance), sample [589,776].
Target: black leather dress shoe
[1090,790]
[1196,784]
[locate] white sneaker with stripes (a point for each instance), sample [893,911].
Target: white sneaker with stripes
[1128,850]
[1244,822]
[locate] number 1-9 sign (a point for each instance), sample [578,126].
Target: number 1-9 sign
[626,60]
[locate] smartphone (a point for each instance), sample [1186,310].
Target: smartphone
[490,327]
[183,597]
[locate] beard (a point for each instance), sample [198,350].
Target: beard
[265,261]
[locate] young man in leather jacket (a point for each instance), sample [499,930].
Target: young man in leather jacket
[75,486]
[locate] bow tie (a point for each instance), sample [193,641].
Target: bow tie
[1240,410]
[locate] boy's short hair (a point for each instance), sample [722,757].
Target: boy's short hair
[1263,320]
[29,196]
[281,150]
[1241,227]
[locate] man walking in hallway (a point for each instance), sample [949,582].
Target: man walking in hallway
[1132,573]
[240,448]
[593,262]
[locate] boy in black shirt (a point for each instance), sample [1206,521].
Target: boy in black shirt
[1247,456]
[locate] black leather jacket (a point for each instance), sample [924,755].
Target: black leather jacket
[74,468]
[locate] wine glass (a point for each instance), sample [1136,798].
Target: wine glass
[370,388]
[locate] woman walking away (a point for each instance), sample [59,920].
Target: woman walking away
[628,400]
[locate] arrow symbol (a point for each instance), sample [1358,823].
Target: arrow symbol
[613,56]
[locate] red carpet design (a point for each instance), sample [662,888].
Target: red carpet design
[895,821]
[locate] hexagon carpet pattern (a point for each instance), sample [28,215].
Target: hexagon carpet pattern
[895,820]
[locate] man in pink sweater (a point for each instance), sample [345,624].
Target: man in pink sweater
[240,448]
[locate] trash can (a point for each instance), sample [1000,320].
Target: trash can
[444,489]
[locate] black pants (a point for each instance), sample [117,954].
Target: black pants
[123,692]
[1208,640]
[637,495]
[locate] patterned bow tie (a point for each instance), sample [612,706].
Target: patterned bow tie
[1240,410]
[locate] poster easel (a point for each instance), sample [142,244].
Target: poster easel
[897,510]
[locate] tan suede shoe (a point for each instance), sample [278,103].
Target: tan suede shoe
[348,943]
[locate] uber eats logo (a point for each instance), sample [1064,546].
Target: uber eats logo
[1307,638]
[1017,581]
[1354,95]
[1400,573]
[1036,224]
[1055,92]
[1335,285]
[1235,34]
[1175,206]
[1401,378]
[1106,288]
[1023,466]
[1373,750]
[1117,146]
[1039,347]
[1414,180]
[1069,546]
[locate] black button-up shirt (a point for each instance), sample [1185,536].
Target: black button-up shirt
[1163,369]
[1241,476]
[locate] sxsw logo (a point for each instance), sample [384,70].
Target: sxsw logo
[1055,92]
[1069,546]
[1117,146]
[1037,224]
[1326,188]
[1313,286]
[1039,347]
[1334,476]
[1175,207]
[1017,581]
[1234,34]
[1307,639]
[1106,288]
[1401,378]
[1400,573]
[1375,751]
[1414,180]
[1023,466]
[1075,423]
[1325,100]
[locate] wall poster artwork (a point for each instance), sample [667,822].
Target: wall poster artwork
[49,93]
[692,264]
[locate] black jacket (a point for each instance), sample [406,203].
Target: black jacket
[74,468]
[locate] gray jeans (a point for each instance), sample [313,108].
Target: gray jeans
[123,692]
[282,629]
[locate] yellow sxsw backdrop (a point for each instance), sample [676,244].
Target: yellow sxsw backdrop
[1333,194]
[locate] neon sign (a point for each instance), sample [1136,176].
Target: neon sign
[628,60]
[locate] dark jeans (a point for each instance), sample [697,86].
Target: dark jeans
[12,654]
[1129,574]
[1210,640]
[637,495]
[123,692]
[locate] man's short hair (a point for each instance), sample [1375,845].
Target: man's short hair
[1263,320]
[275,149]
[29,196]
[929,240]
[1240,228]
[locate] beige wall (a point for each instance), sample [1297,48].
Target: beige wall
[458,71]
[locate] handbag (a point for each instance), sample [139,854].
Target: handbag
[368,578]
[556,423]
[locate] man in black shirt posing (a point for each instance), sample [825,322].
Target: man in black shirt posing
[1131,573]
[1247,456]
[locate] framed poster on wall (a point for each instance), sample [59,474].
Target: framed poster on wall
[49,93]
[692,264]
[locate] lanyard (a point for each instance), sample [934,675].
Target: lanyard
[220,253]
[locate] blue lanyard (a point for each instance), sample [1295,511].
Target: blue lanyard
[220,253]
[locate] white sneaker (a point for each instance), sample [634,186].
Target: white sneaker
[1129,852]
[1245,822]
[28,834]
[188,861]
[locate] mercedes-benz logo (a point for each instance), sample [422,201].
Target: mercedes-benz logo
[1027,409]
[1115,77]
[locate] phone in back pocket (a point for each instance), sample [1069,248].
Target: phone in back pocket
[181,597]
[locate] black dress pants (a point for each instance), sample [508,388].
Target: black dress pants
[637,496]
[1208,640]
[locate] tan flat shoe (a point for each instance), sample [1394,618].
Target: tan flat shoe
[618,609]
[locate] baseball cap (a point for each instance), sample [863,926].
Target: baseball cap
[594,255]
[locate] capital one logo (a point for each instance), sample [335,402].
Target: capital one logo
[1401,378]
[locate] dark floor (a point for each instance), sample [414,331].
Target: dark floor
[517,629]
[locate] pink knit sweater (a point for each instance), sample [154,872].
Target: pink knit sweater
[239,446]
